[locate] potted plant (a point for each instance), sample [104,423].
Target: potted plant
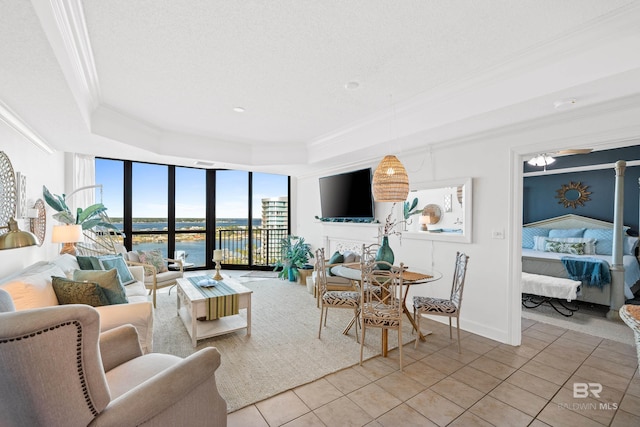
[295,255]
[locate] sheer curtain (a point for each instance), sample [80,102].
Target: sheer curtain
[84,175]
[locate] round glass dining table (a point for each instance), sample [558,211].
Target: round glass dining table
[410,277]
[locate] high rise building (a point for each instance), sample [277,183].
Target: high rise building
[275,222]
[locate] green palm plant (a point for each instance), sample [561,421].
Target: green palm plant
[295,253]
[89,218]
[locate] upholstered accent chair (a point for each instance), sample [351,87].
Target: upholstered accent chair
[382,295]
[58,370]
[156,276]
[445,307]
[334,299]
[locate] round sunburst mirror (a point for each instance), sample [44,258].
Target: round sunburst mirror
[573,194]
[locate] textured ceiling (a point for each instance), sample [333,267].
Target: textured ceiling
[161,78]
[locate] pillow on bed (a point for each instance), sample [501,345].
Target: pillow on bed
[528,233]
[540,243]
[565,247]
[605,241]
[567,232]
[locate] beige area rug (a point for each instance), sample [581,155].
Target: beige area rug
[262,274]
[283,350]
[583,320]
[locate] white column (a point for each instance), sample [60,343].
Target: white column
[617,268]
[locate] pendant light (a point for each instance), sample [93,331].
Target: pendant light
[390,181]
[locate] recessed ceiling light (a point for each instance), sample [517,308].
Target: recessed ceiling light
[352,85]
[238,109]
[564,104]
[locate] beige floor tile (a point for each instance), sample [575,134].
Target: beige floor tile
[558,416]
[533,342]
[282,408]
[605,378]
[476,379]
[546,372]
[538,335]
[374,400]
[631,404]
[424,374]
[307,420]
[499,413]
[587,406]
[538,423]
[628,360]
[521,350]
[343,412]
[618,347]
[348,380]
[466,356]
[458,392]
[549,329]
[442,363]
[477,345]
[610,366]
[435,407]
[248,416]
[582,338]
[561,347]
[417,353]
[374,368]
[404,415]
[393,358]
[634,386]
[564,363]
[625,419]
[526,323]
[506,357]
[492,367]
[317,393]
[607,394]
[468,419]
[519,398]
[401,385]
[536,385]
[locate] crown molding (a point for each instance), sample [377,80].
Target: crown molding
[16,123]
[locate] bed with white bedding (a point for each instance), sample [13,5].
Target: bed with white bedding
[545,243]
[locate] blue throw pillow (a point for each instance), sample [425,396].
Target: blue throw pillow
[107,262]
[567,232]
[604,239]
[88,263]
[529,232]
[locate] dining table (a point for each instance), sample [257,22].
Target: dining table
[352,271]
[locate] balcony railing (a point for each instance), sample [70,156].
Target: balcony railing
[265,245]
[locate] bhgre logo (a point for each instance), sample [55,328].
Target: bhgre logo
[583,390]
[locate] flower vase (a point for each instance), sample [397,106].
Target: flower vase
[385,253]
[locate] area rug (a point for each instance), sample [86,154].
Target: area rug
[591,322]
[283,350]
[262,274]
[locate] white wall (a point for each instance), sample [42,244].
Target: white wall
[40,169]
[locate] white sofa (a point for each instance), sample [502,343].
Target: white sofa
[32,288]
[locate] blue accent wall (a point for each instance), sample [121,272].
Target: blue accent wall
[539,195]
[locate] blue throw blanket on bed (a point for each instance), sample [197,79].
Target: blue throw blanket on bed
[590,271]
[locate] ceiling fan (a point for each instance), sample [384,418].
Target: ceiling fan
[546,159]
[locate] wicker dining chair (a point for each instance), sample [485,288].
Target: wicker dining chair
[445,307]
[382,296]
[630,314]
[334,299]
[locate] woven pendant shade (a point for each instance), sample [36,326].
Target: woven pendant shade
[390,181]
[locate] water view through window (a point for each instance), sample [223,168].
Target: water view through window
[175,222]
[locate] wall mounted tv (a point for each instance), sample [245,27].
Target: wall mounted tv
[347,196]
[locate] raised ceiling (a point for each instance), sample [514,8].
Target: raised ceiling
[159,80]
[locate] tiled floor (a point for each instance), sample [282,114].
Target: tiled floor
[488,384]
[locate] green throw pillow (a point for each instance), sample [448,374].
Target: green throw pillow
[108,280]
[71,292]
[88,263]
[336,258]
[154,258]
[107,262]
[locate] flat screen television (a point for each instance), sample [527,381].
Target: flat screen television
[347,196]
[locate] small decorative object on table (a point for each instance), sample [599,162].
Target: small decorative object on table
[217,257]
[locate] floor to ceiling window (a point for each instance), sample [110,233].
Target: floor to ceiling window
[187,212]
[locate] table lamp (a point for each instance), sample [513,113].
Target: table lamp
[424,220]
[217,257]
[68,235]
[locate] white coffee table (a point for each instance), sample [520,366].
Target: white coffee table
[191,307]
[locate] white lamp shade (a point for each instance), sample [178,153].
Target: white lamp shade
[67,233]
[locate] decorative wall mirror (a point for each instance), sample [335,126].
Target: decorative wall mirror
[434,223]
[8,192]
[573,194]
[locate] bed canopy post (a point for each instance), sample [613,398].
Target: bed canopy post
[617,269]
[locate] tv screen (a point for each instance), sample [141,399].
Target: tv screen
[347,195]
